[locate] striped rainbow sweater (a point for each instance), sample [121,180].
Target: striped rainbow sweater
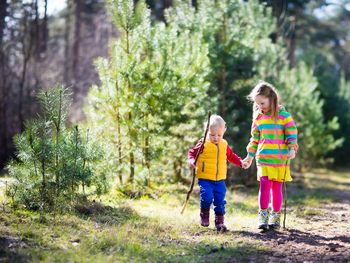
[270,140]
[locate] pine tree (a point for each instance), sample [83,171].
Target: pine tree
[241,52]
[53,160]
[161,78]
[300,95]
[153,81]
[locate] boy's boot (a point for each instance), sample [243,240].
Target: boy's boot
[274,220]
[263,219]
[220,223]
[205,216]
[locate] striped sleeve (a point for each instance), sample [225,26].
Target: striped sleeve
[291,132]
[254,140]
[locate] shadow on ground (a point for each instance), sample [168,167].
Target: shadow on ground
[296,236]
[294,245]
[106,214]
[9,249]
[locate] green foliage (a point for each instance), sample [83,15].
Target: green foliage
[237,35]
[299,90]
[241,52]
[153,81]
[301,97]
[322,43]
[342,109]
[160,79]
[53,161]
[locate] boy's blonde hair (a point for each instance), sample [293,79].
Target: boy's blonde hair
[265,89]
[216,121]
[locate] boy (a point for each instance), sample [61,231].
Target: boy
[211,169]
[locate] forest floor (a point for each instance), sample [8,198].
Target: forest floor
[151,229]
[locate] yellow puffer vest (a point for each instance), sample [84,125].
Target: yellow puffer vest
[212,162]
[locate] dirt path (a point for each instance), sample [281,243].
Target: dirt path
[322,235]
[319,239]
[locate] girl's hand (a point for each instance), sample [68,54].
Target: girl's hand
[291,154]
[247,162]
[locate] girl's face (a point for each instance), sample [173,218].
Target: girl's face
[263,103]
[216,133]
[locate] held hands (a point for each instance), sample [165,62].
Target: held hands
[247,162]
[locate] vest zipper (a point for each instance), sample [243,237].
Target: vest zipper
[217,162]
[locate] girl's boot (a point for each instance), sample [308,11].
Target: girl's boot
[220,223]
[263,219]
[274,220]
[205,216]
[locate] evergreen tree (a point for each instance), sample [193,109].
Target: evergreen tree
[241,52]
[300,95]
[53,160]
[153,81]
[324,45]
[156,84]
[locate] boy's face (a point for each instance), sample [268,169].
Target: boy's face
[263,103]
[216,133]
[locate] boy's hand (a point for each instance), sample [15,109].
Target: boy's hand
[247,162]
[191,163]
[291,154]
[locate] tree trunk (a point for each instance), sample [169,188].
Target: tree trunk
[67,64]
[58,133]
[148,158]
[45,31]
[291,41]
[177,165]
[37,29]
[119,145]
[3,113]
[291,38]
[130,118]
[36,50]
[167,3]
[76,37]
[3,14]
[222,81]
[279,10]
[26,53]
[222,93]
[132,167]
[3,87]
[194,3]
[132,157]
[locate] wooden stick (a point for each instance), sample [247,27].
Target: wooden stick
[195,162]
[285,196]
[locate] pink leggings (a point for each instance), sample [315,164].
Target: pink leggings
[266,186]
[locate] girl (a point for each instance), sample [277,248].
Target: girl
[273,141]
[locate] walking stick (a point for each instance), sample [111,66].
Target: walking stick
[195,161]
[284,181]
[285,196]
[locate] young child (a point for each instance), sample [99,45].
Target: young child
[273,142]
[211,171]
